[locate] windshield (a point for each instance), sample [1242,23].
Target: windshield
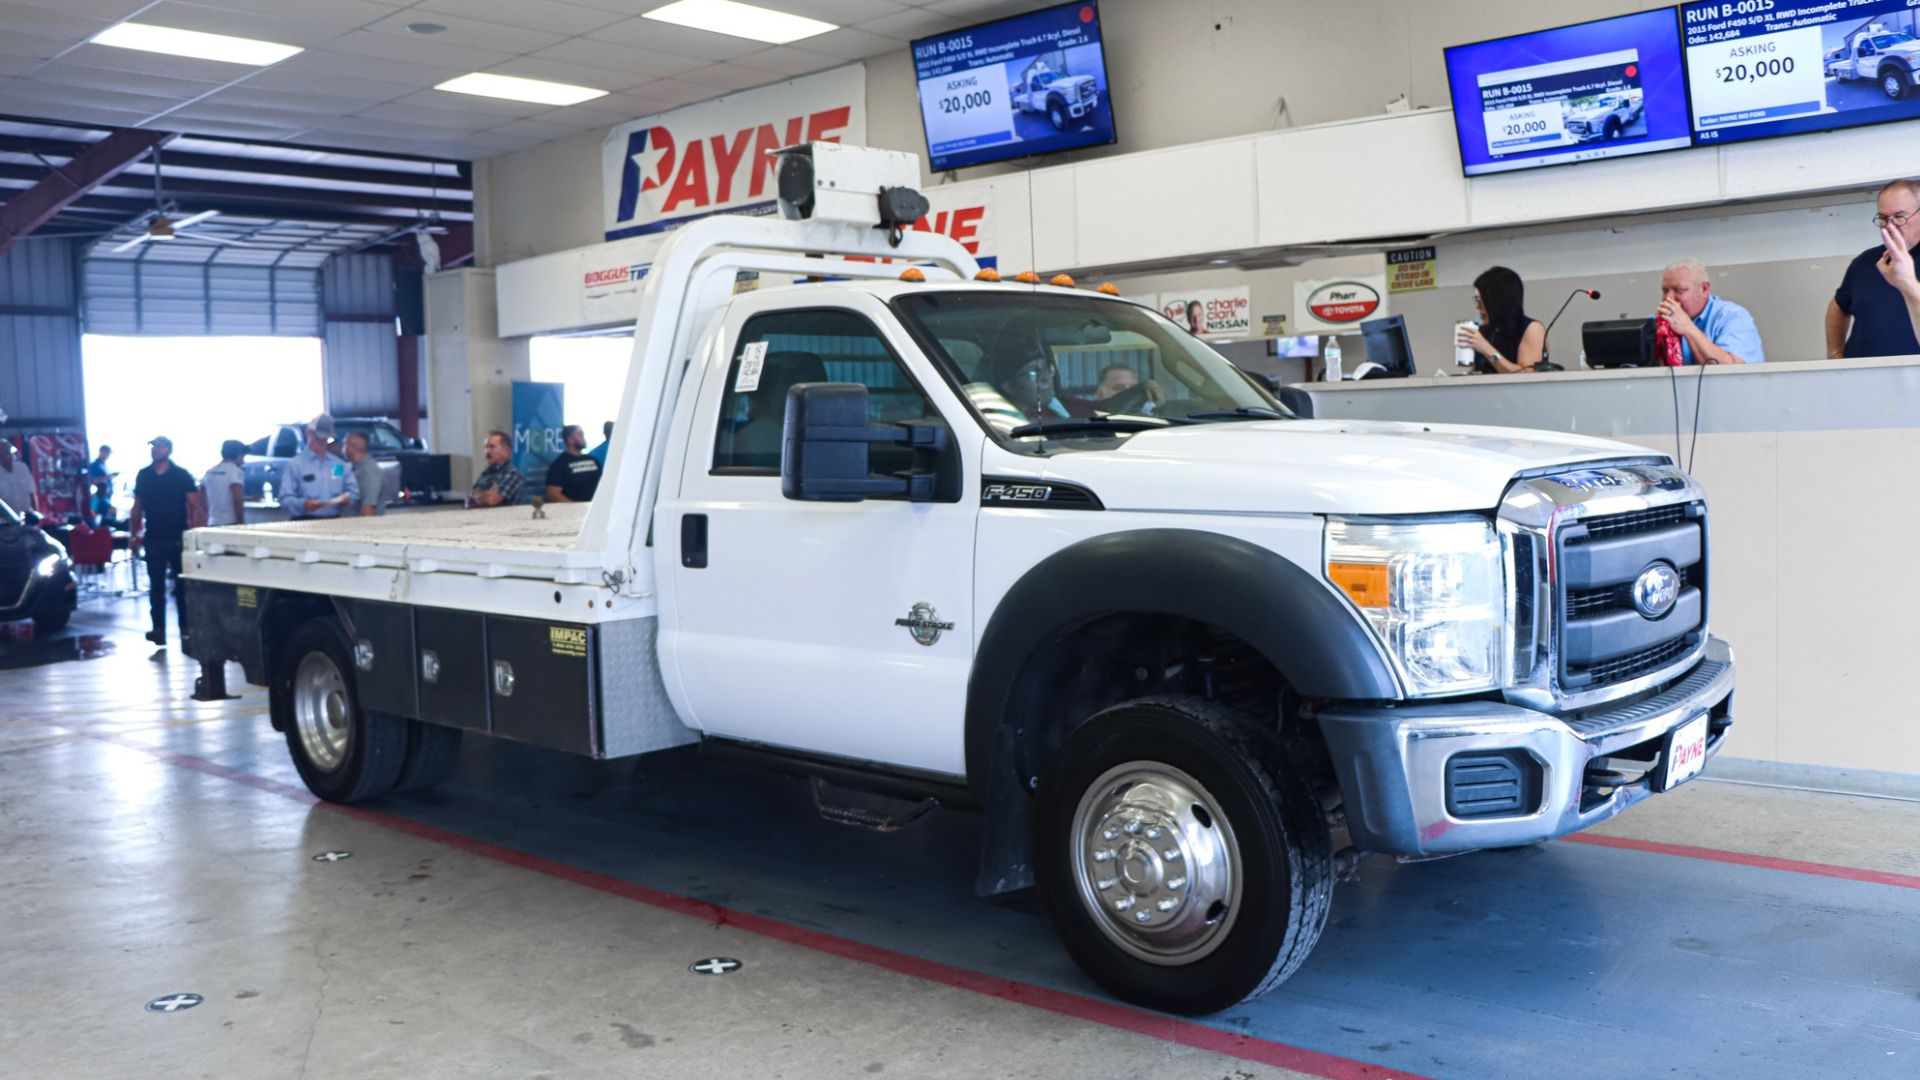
[1045,366]
[1885,41]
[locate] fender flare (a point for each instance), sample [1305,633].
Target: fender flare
[1319,644]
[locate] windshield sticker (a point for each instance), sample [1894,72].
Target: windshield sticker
[752,359]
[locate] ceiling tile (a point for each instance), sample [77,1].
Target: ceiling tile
[551,15]
[345,98]
[853,44]
[79,113]
[914,23]
[282,29]
[788,61]
[612,114]
[533,67]
[726,77]
[837,12]
[111,11]
[329,64]
[671,93]
[540,130]
[466,33]
[16,65]
[51,99]
[679,40]
[416,49]
[611,57]
[284,79]
[974,11]
[446,101]
[67,73]
[447,121]
[238,129]
[347,14]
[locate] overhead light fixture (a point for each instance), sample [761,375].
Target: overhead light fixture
[425,28]
[194,44]
[514,88]
[740,20]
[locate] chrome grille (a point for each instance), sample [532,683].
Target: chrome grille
[1604,638]
[1635,521]
[1639,663]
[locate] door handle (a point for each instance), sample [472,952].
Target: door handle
[693,541]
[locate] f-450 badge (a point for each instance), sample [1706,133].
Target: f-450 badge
[924,624]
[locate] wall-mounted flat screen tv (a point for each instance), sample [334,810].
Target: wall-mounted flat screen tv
[1759,68]
[1600,89]
[1030,84]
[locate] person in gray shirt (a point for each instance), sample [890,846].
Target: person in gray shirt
[316,484]
[366,473]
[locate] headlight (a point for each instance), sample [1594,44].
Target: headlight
[1433,591]
[48,566]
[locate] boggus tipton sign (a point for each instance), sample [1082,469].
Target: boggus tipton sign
[1332,307]
[666,170]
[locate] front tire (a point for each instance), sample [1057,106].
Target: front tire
[1893,83]
[1057,115]
[344,753]
[1183,860]
[51,623]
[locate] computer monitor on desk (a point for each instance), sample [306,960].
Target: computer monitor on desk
[1618,343]
[1387,345]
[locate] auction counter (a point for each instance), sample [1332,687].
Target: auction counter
[1812,473]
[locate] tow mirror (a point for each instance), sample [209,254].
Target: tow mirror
[824,451]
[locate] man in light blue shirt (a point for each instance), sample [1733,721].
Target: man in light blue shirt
[1712,329]
[316,484]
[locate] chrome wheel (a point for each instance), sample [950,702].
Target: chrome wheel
[1156,863]
[322,713]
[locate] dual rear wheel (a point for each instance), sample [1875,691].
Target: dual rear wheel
[346,753]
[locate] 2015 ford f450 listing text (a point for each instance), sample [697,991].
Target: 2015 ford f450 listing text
[1188,654]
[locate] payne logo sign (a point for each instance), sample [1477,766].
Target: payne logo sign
[663,171]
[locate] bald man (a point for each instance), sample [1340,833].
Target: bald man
[1712,329]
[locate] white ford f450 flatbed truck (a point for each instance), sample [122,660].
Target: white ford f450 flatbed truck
[1171,642]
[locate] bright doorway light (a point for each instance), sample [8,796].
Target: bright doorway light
[194,44]
[594,372]
[197,391]
[740,20]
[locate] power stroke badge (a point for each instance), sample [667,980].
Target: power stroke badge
[923,622]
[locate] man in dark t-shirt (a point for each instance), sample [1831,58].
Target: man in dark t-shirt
[574,475]
[160,504]
[1867,316]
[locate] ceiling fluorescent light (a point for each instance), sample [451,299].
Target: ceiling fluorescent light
[193,43]
[740,20]
[514,88]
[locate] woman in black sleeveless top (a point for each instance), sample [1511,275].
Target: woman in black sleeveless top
[1506,340]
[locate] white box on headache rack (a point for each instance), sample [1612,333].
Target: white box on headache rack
[827,181]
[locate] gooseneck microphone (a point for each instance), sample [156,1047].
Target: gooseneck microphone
[1591,294]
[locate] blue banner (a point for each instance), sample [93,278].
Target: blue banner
[539,412]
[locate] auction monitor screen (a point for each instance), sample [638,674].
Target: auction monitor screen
[1031,84]
[1759,68]
[1596,90]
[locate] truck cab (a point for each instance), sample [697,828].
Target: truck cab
[1064,99]
[1889,58]
[1189,655]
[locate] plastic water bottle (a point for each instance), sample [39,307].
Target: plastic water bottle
[1334,374]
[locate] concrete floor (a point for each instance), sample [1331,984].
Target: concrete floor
[536,916]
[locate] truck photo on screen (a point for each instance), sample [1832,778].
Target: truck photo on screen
[1575,93]
[1033,84]
[1772,67]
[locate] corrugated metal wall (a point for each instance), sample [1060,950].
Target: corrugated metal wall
[40,335]
[362,364]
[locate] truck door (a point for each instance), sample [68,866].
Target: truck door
[836,628]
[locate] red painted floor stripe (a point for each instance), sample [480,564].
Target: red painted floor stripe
[1139,1021]
[1765,862]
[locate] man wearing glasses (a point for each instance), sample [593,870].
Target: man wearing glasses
[1868,316]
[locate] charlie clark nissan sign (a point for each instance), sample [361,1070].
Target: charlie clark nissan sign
[1331,307]
[714,157]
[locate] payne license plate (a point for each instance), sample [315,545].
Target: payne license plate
[1686,753]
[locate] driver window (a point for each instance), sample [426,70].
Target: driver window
[285,444]
[821,345]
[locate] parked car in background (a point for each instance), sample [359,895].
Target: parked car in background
[1063,99]
[36,577]
[412,474]
[1604,117]
[1889,58]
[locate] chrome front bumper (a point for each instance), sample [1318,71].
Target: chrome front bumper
[1392,761]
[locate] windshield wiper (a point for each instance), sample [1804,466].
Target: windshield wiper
[1094,424]
[1250,412]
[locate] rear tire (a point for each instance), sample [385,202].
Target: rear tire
[344,753]
[1187,813]
[432,752]
[52,623]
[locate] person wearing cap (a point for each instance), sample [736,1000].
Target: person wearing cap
[16,480]
[160,505]
[225,486]
[316,484]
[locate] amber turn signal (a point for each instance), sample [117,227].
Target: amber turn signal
[1364,583]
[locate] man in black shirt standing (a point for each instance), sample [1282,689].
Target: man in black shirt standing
[1867,316]
[160,502]
[574,475]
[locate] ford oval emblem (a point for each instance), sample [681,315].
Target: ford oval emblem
[1656,590]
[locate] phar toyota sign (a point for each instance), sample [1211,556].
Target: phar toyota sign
[1333,306]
